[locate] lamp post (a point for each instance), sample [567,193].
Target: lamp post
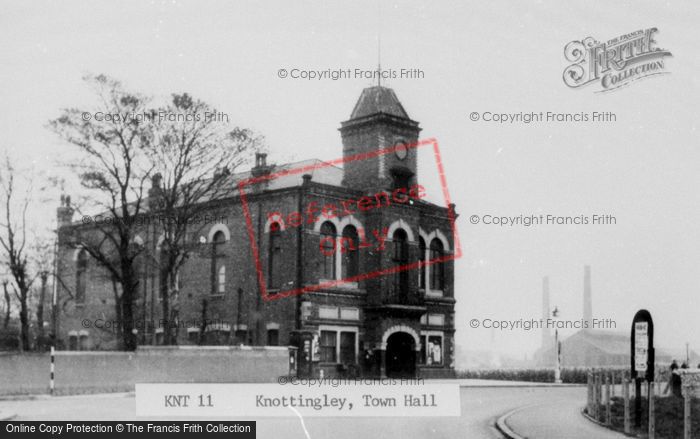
[557,348]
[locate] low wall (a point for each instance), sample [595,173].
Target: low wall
[211,364]
[101,371]
[76,372]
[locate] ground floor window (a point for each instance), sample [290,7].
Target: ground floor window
[338,345]
[347,347]
[240,337]
[328,346]
[432,348]
[193,335]
[273,337]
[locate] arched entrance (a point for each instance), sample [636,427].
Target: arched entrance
[400,355]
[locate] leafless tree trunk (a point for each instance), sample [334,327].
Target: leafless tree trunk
[13,240]
[8,304]
[112,170]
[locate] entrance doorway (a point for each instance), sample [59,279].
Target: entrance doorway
[400,356]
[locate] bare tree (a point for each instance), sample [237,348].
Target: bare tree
[193,154]
[112,170]
[8,305]
[13,242]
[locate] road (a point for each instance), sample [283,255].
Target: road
[480,407]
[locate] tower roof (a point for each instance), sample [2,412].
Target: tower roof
[378,99]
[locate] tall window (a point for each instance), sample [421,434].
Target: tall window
[351,252]
[421,257]
[328,236]
[431,350]
[274,257]
[347,347]
[437,270]
[400,241]
[81,276]
[218,269]
[328,345]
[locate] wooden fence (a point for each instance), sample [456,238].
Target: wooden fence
[602,386]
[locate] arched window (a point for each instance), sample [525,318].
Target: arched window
[81,276]
[349,246]
[274,257]
[437,269]
[421,257]
[218,268]
[328,237]
[400,242]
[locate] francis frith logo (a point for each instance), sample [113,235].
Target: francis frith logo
[614,63]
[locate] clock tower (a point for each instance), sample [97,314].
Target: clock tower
[377,122]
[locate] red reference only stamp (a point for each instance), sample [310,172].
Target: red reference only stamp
[374,213]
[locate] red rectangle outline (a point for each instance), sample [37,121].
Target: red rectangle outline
[262,284]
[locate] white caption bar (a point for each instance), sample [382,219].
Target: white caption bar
[240,400]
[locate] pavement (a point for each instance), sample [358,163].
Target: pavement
[559,418]
[531,411]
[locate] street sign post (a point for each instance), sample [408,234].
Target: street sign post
[642,357]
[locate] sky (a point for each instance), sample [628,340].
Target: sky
[501,57]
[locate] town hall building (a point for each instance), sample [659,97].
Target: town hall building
[397,324]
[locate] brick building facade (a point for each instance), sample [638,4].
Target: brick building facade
[398,324]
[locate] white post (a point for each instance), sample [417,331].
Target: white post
[51,384]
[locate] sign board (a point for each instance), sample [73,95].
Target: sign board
[642,346]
